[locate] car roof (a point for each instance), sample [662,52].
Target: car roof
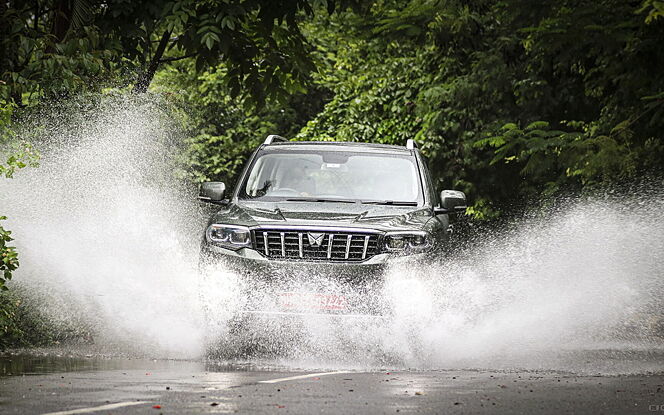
[336,146]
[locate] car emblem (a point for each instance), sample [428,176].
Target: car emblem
[315,239]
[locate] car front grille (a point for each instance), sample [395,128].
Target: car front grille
[315,245]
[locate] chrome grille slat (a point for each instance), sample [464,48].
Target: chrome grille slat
[299,240]
[267,246]
[346,245]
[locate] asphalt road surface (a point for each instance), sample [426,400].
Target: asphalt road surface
[67,385]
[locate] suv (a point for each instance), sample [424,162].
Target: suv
[340,210]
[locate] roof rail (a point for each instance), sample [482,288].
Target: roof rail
[272,138]
[411,144]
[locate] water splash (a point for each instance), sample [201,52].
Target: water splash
[107,235]
[103,226]
[586,277]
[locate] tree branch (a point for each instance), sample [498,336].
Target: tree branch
[61,23]
[146,78]
[177,58]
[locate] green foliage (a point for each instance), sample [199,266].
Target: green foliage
[11,329]
[24,323]
[19,155]
[38,62]
[654,8]
[508,100]
[224,131]
[8,257]
[56,47]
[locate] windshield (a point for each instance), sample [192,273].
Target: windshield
[333,175]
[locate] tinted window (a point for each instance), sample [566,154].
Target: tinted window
[279,175]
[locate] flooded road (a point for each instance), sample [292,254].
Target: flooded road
[53,382]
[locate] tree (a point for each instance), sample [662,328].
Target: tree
[223,131]
[509,100]
[56,47]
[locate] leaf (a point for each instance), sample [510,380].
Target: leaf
[208,40]
[620,126]
[228,22]
[537,125]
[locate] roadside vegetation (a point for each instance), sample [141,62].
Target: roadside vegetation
[510,101]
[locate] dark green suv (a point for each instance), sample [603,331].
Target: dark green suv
[342,210]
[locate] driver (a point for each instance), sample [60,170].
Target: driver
[299,178]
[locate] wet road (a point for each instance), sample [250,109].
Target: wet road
[47,385]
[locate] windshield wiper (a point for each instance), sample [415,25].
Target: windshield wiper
[316,199]
[388,202]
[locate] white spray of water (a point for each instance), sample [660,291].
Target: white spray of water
[105,232]
[589,277]
[101,227]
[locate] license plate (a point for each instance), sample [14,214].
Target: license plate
[312,301]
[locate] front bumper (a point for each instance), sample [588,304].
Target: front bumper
[360,283]
[247,260]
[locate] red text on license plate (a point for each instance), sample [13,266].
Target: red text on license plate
[314,301]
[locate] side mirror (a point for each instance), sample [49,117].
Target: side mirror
[212,192]
[452,201]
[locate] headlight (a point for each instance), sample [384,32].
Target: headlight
[415,241]
[229,236]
